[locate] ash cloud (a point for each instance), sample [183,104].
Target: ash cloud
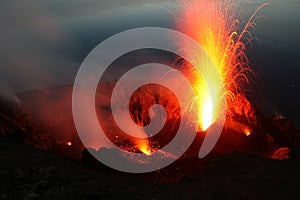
[30,40]
[41,41]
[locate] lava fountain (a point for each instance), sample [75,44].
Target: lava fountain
[218,26]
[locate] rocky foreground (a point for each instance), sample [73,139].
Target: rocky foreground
[63,171]
[30,173]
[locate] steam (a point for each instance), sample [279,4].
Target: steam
[30,38]
[35,43]
[8,96]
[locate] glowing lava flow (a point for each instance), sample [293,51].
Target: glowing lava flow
[219,28]
[69,143]
[145,149]
[207,114]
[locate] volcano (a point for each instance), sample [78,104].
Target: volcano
[242,154]
[45,120]
[44,154]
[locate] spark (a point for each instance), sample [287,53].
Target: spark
[68,143]
[217,27]
[247,132]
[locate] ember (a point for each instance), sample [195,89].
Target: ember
[197,108]
[216,26]
[69,143]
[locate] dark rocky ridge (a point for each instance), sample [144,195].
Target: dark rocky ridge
[32,173]
[28,172]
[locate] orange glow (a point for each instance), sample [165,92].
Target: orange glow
[207,114]
[144,147]
[238,127]
[69,143]
[247,132]
[216,26]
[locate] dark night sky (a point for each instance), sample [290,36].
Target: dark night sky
[44,42]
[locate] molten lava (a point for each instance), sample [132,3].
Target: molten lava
[218,27]
[207,114]
[247,132]
[145,149]
[69,143]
